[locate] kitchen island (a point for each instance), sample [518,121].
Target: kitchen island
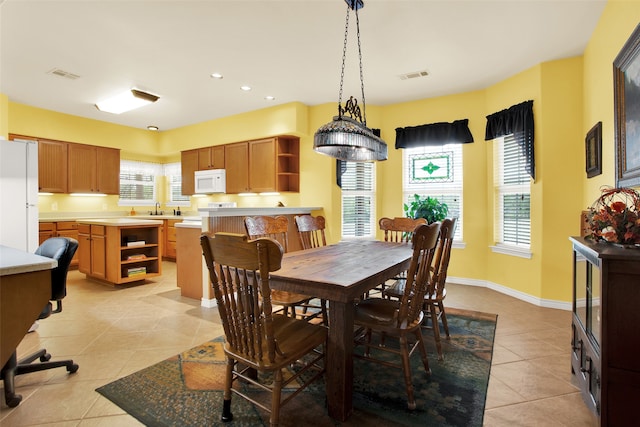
[192,274]
[120,250]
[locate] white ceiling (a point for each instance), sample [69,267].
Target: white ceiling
[289,49]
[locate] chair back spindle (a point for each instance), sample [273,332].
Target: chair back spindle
[311,231]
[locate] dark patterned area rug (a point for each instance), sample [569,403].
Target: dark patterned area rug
[186,390]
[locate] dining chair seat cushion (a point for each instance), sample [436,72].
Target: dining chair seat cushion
[381,314]
[294,338]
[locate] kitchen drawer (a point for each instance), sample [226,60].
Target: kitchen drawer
[84,228]
[98,230]
[67,225]
[47,226]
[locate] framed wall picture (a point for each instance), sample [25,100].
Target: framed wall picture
[593,150]
[626,80]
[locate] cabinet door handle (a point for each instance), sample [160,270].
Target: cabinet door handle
[582,369]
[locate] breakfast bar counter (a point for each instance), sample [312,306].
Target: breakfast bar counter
[192,275]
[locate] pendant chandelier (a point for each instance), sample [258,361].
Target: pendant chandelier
[349,138]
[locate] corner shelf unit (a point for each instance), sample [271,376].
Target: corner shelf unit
[288,163]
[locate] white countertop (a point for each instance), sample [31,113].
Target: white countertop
[15,261]
[116,222]
[214,212]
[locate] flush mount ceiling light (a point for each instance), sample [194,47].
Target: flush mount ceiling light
[346,138]
[154,128]
[126,101]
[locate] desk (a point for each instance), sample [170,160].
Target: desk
[25,289]
[341,273]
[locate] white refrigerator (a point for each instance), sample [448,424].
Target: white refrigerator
[19,194]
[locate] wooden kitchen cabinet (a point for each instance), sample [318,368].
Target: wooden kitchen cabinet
[237,175]
[93,169]
[264,165]
[52,163]
[169,248]
[199,159]
[46,230]
[60,229]
[52,166]
[189,165]
[211,158]
[106,253]
[92,250]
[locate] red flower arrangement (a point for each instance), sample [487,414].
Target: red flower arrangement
[615,217]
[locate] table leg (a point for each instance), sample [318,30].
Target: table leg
[339,376]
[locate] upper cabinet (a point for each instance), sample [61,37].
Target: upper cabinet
[93,169]
[189,164]
[211,158]
[52,166]
[264,165]
[197,160]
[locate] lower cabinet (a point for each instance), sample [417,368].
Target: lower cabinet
[169,249]
[92,250]
[60,229]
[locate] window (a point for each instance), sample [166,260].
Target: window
[512,190]
[173,172]
[138,183]
[358,200]
[435,171]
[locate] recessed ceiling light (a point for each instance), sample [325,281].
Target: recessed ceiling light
[126,101]
[216,75]
[245,88]
[152,127]
[270,98]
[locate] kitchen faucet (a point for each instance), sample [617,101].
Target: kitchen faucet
[157,206]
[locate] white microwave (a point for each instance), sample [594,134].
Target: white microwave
[211,181]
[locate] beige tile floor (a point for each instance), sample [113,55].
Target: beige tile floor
[111,332]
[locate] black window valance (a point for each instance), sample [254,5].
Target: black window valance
[516,120]
[434,134]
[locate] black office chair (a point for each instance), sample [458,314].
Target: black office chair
[61,249]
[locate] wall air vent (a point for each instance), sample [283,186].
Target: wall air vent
[415,75]
[61,73]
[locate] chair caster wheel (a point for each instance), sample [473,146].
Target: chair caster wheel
[73,368]
[45,357]
[14,400]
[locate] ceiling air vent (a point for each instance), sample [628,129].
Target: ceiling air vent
[61,73]
[414,75]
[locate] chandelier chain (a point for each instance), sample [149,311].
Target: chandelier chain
[364,104]
[344,56]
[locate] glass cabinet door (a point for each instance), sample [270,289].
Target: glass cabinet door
[581,269]
[594,292]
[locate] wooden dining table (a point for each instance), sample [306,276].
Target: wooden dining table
[341,273]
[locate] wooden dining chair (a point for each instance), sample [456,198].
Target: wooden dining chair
[311,231]
[311,234]
[256,339]
[277,228]
[434,298]
[400,318]
[397,230]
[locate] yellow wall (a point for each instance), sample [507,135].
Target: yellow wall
[614,28]
[569,95]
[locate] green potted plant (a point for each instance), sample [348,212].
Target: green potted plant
[428,208]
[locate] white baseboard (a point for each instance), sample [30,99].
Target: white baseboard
[208,303]
[546,303]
